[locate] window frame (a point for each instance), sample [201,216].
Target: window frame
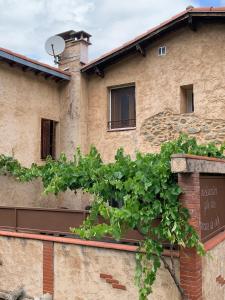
[184,104]
[116,87]
[160,52]
[190,101]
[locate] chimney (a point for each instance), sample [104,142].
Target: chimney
[76,50]
[73,95]
[189,7]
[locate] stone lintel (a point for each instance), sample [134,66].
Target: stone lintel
[184,163]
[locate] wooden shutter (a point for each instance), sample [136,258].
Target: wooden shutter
[45,138]
[115,108]
[123,107]
[132,107]
[53,139]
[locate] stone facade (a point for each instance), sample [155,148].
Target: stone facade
[166,125]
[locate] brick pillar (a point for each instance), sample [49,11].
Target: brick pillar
[48,267]
[190,262]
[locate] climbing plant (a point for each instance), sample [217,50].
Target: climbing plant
[128,194]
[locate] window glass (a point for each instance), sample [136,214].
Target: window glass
[162,51]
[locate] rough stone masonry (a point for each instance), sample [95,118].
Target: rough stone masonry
[166,125]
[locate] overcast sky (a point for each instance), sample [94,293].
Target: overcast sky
[26,24]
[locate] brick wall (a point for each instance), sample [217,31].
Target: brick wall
[48,267]
[190,261]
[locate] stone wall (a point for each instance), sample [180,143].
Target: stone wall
[214,273]
[166,125]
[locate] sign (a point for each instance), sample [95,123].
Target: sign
[212,194]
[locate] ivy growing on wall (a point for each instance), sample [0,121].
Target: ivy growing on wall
[128,194]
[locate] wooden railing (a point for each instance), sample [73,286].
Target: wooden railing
[49,221]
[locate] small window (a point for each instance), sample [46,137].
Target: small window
[187,99]
[48,137]
[162,51]
[122,108]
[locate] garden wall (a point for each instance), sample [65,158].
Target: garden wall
[214,271]
[71,269]
[74,269]
[80,269]
[21,263]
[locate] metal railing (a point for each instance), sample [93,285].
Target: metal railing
[121,124]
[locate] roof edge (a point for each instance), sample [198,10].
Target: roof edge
[33,64]
[191,11]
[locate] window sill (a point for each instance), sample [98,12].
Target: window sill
[121,129]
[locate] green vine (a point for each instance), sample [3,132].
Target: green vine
[128,194]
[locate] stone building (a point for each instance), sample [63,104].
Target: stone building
[167,80]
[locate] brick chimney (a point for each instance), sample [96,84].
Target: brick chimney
[73,98]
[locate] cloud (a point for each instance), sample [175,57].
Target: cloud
[26,24]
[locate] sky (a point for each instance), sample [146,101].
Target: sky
[25,25]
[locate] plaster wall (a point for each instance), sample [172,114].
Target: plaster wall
[17,194]
[25,98]
[192,58]
[213,267]
[21,264]
[78,271]
[73,100]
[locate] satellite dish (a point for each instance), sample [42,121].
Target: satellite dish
[55,45]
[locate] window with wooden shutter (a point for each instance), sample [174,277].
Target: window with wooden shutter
[48,138]
[122,108]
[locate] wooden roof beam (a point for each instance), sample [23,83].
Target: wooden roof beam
[192,23]
[99,72]
[141,50]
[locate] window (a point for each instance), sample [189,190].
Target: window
[122,108]
[162,51]
[187,99]
[48,137]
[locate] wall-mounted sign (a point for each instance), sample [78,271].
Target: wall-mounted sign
[212,189]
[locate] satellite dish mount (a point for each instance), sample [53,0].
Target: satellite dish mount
[54,46]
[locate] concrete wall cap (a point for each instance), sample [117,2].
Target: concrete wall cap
[182,163]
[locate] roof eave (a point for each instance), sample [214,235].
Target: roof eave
[37,68]
[108,59]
